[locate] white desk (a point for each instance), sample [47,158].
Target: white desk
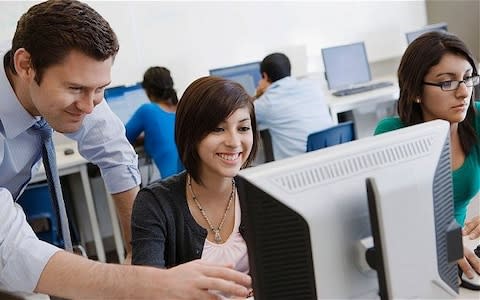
[468,294]
[464,294]
[73,164]
[371,98]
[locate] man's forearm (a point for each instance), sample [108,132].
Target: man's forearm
[71,276]
[124,203]
[86,279]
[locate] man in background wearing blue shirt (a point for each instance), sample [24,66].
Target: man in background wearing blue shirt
[57,69]
[290,109]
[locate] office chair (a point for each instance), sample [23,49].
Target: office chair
[338,134]
[267,145]
[40,212]
[42,217]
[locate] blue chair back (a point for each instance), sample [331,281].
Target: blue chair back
[338,134]
[40,211]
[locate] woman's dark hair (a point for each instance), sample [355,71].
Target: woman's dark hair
[207,102]
[158,84]
[421,55]
[51,29]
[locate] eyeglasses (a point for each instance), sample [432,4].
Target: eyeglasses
[454,84]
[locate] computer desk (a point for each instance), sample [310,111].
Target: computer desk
[464,294]
[371,98]
[468,294]
[76,164]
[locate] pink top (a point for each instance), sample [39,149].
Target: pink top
[233,251]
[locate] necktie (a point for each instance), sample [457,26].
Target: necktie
[44,130]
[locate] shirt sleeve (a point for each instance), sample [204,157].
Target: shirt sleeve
[22,255]
[102,141]
[148,231]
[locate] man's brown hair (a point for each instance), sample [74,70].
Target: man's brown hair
[51,29]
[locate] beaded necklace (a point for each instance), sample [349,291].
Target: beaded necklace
[218,238]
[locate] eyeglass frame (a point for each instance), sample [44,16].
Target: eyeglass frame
[441,84]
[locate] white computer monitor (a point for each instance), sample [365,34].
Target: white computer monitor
[248,75]
[308,219]
[432,27]
[346,65]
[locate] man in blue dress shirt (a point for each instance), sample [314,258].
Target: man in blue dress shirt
[290,109]
[57,69]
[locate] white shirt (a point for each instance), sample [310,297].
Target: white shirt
[292,109]
[101,140]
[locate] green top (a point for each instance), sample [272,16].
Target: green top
[466,179]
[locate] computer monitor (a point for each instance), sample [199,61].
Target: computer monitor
[248,75]
[346,65]
[308,219]
[125,100]
[433,27]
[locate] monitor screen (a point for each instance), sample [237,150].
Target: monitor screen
[433,27]
[346,65]
[125,100]
[248,75]
[308,219]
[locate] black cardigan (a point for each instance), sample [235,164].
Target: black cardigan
[164,232]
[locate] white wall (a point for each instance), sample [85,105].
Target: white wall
[190,38]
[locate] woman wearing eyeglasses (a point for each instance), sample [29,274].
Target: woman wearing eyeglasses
[436,77]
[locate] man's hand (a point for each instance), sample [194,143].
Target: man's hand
[194,280]
[85,279]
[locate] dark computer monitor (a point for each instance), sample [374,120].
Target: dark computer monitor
[248,75]
[125,100]
[346,65]
[309,224]
[433,27]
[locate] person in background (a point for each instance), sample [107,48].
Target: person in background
[196,214]
[436,77]
[56,70]
[290,109]
[156,120]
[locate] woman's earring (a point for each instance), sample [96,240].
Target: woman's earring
[417,100]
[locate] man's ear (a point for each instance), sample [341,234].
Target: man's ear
[265,76]
[22,64]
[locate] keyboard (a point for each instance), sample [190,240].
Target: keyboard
[363,88]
